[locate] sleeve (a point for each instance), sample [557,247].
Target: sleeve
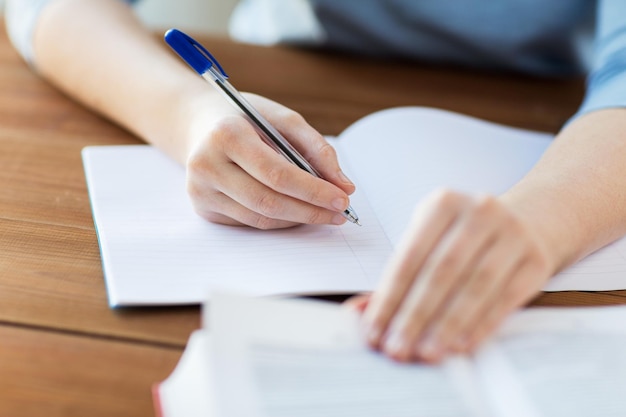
[606,83]
[21,17]
[278,21]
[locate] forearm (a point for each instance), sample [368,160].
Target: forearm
[99,53]
[575,197]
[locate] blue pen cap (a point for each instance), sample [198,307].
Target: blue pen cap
[192,52]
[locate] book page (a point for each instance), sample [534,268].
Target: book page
[401,155]
[304,358]
[552,363]
[603,270]
[157,250]
[187,390]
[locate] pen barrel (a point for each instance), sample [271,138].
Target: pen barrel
[265,130]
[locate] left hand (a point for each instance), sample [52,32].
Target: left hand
[465,263]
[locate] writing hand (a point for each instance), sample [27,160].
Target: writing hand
[234,178]
[464,264]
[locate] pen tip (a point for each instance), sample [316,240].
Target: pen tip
[351,215]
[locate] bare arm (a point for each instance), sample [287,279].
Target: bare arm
[99,53]
[467,261]
[577,193]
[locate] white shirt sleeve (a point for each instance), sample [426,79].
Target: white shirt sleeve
[268,22]
[21,19]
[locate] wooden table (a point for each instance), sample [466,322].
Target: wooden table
[63,351]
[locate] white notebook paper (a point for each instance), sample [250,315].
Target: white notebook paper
[156,250]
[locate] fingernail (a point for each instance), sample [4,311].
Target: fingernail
[339,219]
[394,344]
[345,179]
[340,204]
[429,348]
[373,334]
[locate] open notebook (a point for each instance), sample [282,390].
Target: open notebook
[307,358]
[156,250]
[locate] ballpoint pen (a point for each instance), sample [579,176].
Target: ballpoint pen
[201,60]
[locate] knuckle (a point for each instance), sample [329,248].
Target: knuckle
[448,263]
[326,151]
[198,164]
[485,274]
[277,178]
[452,324]
[447,202]
[291,116]
[225,136]
[262,223]
[444,197]
[204,203]
[227,127]
[268,205]
[313,194]
[481,282]
[514,227]
[485,206]
[202,197]
[315,216]
[441,201]
[483,211]
[194,191]
[211,216]
[223,132]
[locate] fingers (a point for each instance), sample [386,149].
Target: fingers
[474,301]
[430,222]
[308,141]
[448,264]
[513,294]
[358,302]
[247,201]
[262,163]
[235,178]
[226,211]
[455,276]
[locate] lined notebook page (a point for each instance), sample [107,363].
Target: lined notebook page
[403,154]
[156,250]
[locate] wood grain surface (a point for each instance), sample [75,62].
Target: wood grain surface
[63,351]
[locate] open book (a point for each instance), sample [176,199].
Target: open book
[284,358]
[156,250]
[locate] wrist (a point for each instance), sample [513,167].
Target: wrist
[552,223]
[196,109]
